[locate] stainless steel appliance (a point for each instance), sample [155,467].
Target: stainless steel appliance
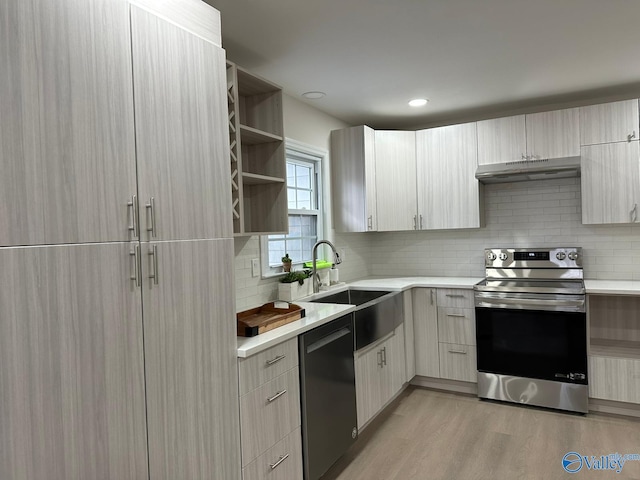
[328,395]
[531,328]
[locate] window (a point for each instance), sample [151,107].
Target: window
[304,196]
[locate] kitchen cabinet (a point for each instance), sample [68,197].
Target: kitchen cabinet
[535,136]
[457,325]
[426,332]
[396,196]
[67,146]
[380,370]
[458,362]
[457,334]
[609,123]
[353,179]
[281,462]
[409,335]
[610,182]
[449,195]
[72,399]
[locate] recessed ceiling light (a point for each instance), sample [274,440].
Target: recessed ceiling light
[418,102]
[313,95]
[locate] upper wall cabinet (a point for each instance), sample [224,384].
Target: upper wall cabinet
[353,179]
[67,148]
[609,123]
[534,136]
[448,192]
[396,195]
[257,154]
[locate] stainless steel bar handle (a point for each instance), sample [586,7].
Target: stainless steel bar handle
[456,315]
[634,213]
[151,209]
[415,222]
[135,276]
[275,360]
[370,222]
[280,460]
[420,222]
[154,254]
[431,296]
[452,295]
[384,355]
[380,358]
[631,136]
[277,395]
[133,204]
[461,352]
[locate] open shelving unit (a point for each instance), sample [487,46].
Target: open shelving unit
[257,154]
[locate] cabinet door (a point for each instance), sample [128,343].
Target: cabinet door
[394,364]
[190,360]
[502,140]
[67,149]
[409,344]
[72,404]
[553,134]
[369,398]
[615,379]
[425,325]
[609,122]
[181,131]
[610,181]
[396,180]
[448,192]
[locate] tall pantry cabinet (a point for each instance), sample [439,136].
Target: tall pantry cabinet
[117,347]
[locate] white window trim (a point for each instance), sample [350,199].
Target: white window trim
[322,157]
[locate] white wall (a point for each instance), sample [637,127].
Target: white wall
[528,214]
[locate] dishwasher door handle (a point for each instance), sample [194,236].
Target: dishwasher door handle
[332,337]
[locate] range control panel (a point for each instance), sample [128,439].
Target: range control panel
[559,257]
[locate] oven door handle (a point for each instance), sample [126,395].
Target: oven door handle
[557,303]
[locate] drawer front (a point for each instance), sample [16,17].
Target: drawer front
[458,362]
[265,366]
[281,462]
[457,325]
[455,297]
[614,379]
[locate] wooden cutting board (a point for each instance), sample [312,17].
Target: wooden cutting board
[267,317]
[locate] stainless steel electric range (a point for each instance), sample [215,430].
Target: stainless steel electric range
[531,328]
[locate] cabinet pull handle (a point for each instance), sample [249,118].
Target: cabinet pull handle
[370,222]
[461,352]
[151,208]
[630,136]
[380,358]
[452,295]
[384,355]
[135,276]
[523,157]
[277,395]
[415,222]
[634,213]
[456,315]
[133,204]
[280,460]
[154,254]
[275,360]
[420,222]
[431,296]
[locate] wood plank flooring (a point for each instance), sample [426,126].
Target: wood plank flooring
[427,434]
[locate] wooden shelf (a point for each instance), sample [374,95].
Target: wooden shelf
[251,84]
[253,136]
[256,179]
[615,348]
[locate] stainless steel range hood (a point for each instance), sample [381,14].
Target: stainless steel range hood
[524,170]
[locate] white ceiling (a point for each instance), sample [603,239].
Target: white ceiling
[471,58]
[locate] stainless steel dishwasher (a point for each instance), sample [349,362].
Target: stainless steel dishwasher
[328,394]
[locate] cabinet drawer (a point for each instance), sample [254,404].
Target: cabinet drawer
[614,379]
[283,461]
[458,362]
[264,366]
[268,414]
[457,325]
[455,297]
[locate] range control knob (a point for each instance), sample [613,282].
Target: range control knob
[491,256]
[573,255]
[503,256]
[561,255]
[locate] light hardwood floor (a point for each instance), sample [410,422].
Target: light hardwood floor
[427,434]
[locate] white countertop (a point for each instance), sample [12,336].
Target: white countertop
[404,283]
[316,314]
[613,287]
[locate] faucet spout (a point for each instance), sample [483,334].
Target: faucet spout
[314,253]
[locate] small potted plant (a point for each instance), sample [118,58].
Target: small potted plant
[294,285]
[286,263]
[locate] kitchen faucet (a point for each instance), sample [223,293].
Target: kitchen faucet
[314,273]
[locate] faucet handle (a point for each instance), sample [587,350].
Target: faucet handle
[337,258]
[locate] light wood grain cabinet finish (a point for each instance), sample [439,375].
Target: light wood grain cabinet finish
[67,147]
[190,360]
[181,132]
[283,461]
[615,379]
[554,134]
[457,325]
[455,298]
[409,335]
[258,369]
[425,319]
[72,401]
[448,192]
[609,123]
[458,362]
[611,183]
[269,413]
[396,195]
[353,179]
[502,140]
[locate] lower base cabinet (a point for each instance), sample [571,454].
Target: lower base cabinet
[612,378]
[283,461]
[458,362]
[380,374]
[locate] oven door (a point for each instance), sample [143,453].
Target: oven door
[532,337]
